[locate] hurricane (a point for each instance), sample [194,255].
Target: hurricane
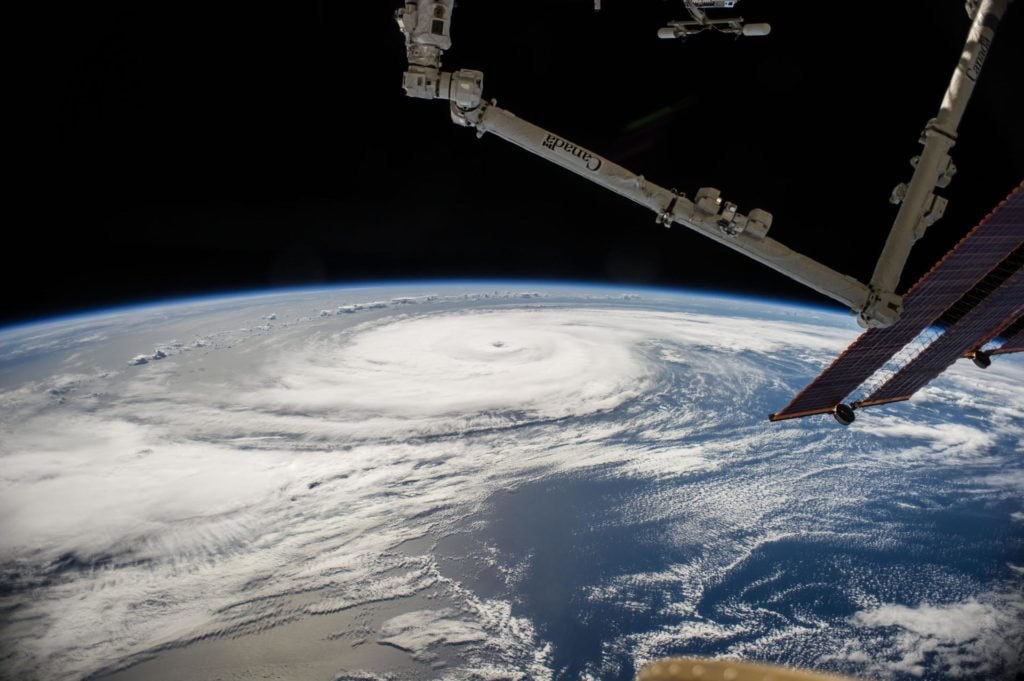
[460,483]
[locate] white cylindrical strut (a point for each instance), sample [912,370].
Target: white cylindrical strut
[920,207]
[726,226]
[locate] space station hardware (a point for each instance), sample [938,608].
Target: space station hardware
[1013,341]
[892,320]
[703,669]
[700,22]
[426,25]
[971,304]
[700,4]
[919,206]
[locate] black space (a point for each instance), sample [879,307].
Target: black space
[190,148]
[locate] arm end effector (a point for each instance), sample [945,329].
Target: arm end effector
[427,28]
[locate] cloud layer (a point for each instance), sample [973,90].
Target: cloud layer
[275,464]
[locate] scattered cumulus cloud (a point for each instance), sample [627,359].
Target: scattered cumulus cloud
[978,636]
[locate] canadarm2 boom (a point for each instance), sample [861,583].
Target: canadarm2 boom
[920,207]
[426,27]
[708,215]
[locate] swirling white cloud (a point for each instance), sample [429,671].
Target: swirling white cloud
[198,496]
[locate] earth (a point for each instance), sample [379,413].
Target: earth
[492,481]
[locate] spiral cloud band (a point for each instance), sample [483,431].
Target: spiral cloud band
[410,487]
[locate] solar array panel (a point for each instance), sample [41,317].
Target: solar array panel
[979,325]
[854,366]
[1013,338]
[988,244]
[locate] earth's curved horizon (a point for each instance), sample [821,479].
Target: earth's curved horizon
[492,480]
[491,286]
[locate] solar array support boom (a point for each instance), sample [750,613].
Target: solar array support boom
[920,207]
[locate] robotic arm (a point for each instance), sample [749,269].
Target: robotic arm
[426,25]
[427,28]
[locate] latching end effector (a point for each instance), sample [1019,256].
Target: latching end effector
[427,28]
[426,25]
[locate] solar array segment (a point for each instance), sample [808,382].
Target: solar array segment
[979,325]
[1013,338]
[988,244]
